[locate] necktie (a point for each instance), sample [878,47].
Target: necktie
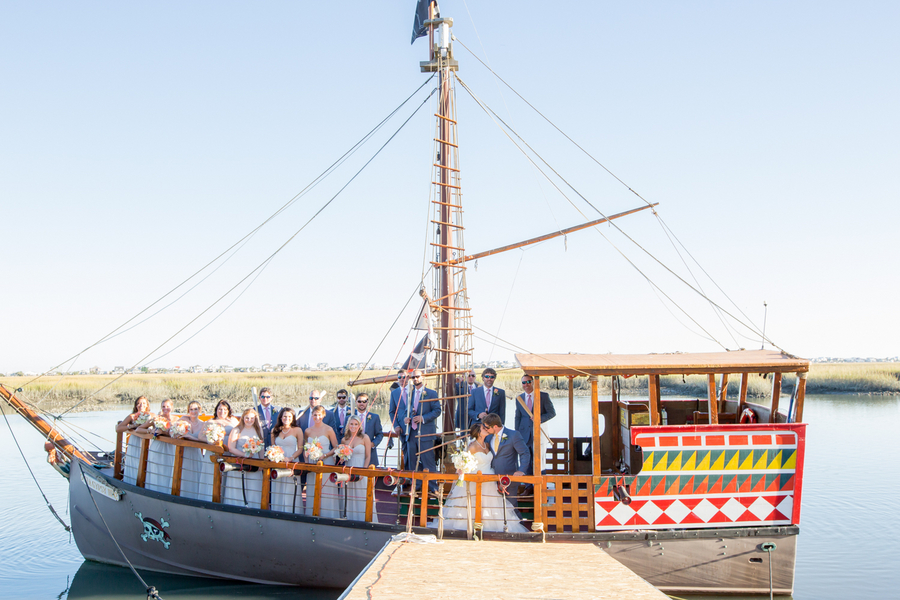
[497,441]
[487,399]
[416,406]
[530,403]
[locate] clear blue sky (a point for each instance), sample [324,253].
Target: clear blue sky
[141,139]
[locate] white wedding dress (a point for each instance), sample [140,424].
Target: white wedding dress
[493,505]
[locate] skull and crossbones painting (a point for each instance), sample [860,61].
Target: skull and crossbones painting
[153,530]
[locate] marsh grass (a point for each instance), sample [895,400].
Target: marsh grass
[292,389]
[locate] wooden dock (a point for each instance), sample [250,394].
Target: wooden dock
[471,569]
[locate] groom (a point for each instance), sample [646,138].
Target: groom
[511,455]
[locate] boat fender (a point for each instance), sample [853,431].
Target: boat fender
[748,416]
[391,480]
[343,477]
[281,473]
[227,467]
[620,493]
[503,483]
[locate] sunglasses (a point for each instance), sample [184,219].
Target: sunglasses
[528,382]
[313,397]
[488,376]
[362,401]
[342,397]
[267,397]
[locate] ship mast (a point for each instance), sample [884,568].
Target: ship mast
[449,302]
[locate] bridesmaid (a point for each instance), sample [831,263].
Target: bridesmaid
[244,488]
[286,493]
[139,420]
[222,417]
[356,490]
[192,463]
[161,458]
[325,435]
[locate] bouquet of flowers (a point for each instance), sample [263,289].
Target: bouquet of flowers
[179,428]
[344,452]
[141,419]
[314,451]
[274,454]
[215,433]
[252,445]
[160,425]
[464,463]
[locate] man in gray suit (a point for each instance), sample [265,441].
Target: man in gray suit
[525,414]
[511,455]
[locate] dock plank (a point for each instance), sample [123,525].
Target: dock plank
[472,569]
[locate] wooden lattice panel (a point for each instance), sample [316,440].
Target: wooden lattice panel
[569,503]
[557,457]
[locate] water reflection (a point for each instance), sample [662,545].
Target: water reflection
[95,581]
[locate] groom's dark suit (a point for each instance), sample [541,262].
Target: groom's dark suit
[495,404]
[512,454]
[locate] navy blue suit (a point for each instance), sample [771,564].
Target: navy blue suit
[461,419]
[512,455]
[397,421]
[525,422]
[267,426]
[372,428]
[496,404]
[338,429]
[420,449]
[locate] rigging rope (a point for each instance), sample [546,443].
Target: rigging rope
[284,207]
[751,327]
[265,262]
[25,460]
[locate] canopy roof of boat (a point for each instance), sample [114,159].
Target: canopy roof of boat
[740,361]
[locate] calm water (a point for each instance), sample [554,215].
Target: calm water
[849,530]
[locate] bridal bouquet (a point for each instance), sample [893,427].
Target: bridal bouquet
[464,462]
[314,451]
[179,428]
[274,454]
[215,433]
[344,452]
[141,419]
[252,445]
[160,425]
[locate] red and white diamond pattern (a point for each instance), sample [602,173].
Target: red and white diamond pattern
[664,513]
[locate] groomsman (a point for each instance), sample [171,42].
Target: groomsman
[525,414]
[305,420]
[268,414]
[371,425]
[398,395]
[487,399]
[341,413]
[464,389]
[420,425]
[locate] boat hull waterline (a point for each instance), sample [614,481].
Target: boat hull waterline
[180,536]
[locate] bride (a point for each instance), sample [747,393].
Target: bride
[493,505]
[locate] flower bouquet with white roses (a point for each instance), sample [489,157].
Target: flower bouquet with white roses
[274,454]
[141,419]
[179,428]
[464,461]
[314,451]
[214,433]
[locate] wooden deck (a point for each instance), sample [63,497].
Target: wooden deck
[471,569]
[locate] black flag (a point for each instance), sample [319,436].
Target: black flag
[418,357]
[419,28]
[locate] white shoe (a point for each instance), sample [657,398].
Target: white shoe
[395,491]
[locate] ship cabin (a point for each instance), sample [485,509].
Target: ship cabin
[724,459]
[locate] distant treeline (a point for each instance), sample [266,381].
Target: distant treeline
[292,389]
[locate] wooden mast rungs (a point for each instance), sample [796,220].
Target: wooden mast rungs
[450,204]
[452,351]
[451,294]
[445,118]
[452,328]
[453,308]
[446,142]
[447,185]
[445,167]
[447,224]
[448,246]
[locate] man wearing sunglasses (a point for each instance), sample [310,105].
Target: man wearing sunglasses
[418,414]
[487,399]
[305,420]
[268,414]
[398,395]
[341,412]
[371,425]
[525,414]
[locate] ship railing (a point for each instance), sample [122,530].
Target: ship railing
[170,477]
